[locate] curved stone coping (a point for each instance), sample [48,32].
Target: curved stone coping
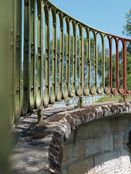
[41,150]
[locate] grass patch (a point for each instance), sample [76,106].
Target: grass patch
[113,98]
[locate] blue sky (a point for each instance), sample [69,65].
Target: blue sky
[106,15]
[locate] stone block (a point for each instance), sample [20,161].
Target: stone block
[89,130]
[79,150]
[81,167]
[106,125]
[68,154]
[93,146]
[73,152]
[107,142]
[118,124]
[118,142]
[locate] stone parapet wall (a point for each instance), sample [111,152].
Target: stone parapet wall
[43,148]
[98,147]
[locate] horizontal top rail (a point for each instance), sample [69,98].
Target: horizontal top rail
[57,9]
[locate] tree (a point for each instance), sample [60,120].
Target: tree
[127,27]
[127,31]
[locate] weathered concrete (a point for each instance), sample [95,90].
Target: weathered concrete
[43,148]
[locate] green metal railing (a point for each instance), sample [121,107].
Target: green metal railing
[60,57]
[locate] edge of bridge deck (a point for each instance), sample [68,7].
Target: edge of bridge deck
[39,148]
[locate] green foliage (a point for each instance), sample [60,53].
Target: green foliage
[127,31]
[129,70]
[127,27]
[113,98]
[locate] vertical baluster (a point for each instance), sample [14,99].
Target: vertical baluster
[35,49]
[15,84]
[71,64]
[124,66]
[100,56]
[86,88]
[89,63]
[39,58]
[31,55]
[47,61]
[68,58]
[42,40]
[93,59]
[15,68]
[21,53]
[66,61]
[117,65]
[26,56]
[66,89]
[79,61]
[48,55]
[74,59]
[128,45]
[52,97]
[114,91]
[96,60]
[61,57]
[18,50]
[110,57]
[51,55]
[103,62]
[71,60]
[82,61]
[55,54]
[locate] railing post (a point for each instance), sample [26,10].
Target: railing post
[7,92]
[31,69]
[47,54]
[117,65]
[75,57]
[103,63]
[26,60]
[67,57]
[124,67]
[52,97]
[85,66]
[39,55]
[89,63]
[55,55]
[110,56]
[61,66]
[79,61]
[82,60]
[96,60]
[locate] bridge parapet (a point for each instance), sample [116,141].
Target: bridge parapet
[40,149]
